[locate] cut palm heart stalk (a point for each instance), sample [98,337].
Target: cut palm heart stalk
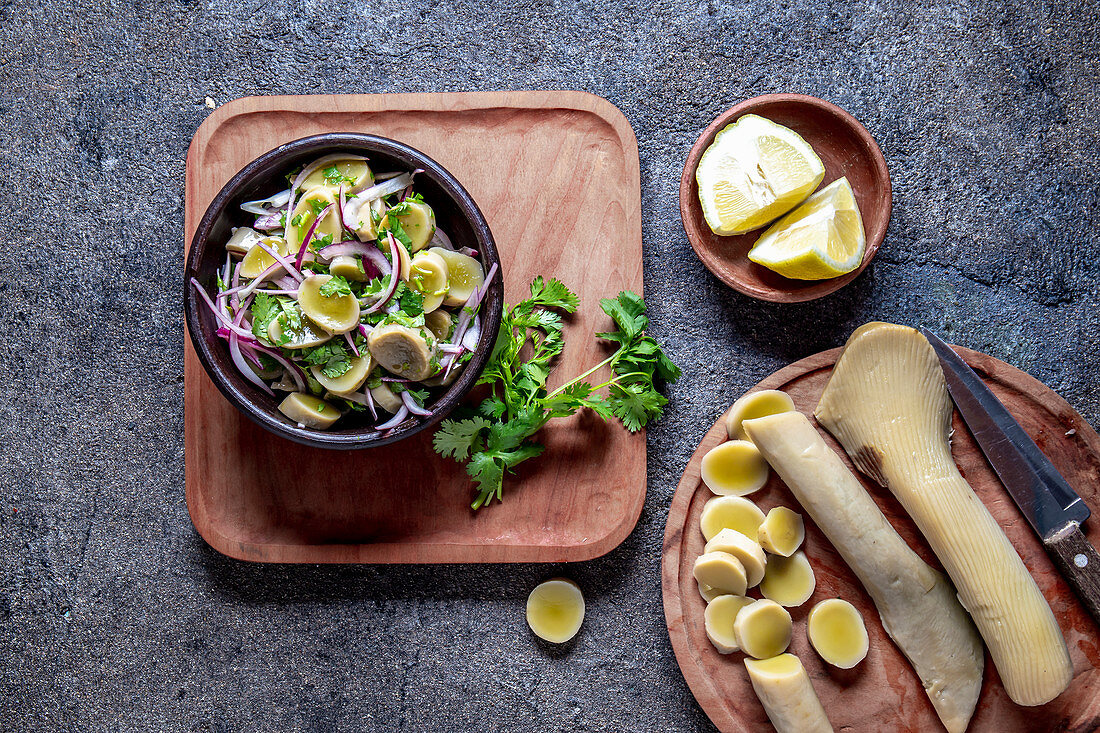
[887,404]
[917,605]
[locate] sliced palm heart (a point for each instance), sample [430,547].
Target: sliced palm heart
[718,621]
[428,274]
[313,202]
[753,405]
[417,221]
[837,633]
[439,323]
[403,351]
[256,260]
[917,604]
[753,172]
[349,268]
[734,468]
[708,593]
[746,550]
[350,380]
[386,399]
[555,610]
[309,410]
[336,313]
[730,512]
[763,629]
[308,335]
[822,238]
[789,581]
[788,696]
[464,276]
[722,571]
[353,173]
[887,404]
[782,531]
[242,240]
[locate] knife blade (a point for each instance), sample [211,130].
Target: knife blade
[1044,497]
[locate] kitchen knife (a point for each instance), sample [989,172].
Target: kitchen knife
[1046,500]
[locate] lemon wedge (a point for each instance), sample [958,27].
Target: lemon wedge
[820,239]
[754,172]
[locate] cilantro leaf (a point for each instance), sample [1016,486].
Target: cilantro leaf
[410,301]
[331,356]
[635,404]
[264,310]
[335,286]
[459,438]
[553,294]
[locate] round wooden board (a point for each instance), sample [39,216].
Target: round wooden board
[883,692]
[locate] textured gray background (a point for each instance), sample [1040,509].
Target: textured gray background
[114,615]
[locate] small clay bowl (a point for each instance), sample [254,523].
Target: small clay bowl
[846,149]
[456,213]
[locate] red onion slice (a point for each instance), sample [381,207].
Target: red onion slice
[347,248]
[351,343]
[295,371]
[473,335]
[394,279]
[440,238]
[247,290]
[218,314]
[291,269]
[264,206]
[386,188]
[365,329]
[242,365]
[309,235]
[410,404]
[395,420]
[363,398]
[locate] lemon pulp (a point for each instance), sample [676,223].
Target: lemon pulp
[753,172]
[822,238]
[555,610]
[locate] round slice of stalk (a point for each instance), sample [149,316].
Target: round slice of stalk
[734,468]
[789,581]
[256,260]
[762,629]
[386,399]
[439,323]
[744,549]
[708,593]
[718,621]
[417,220]
[313,202]
[402,351]
[350,380]
[837,633]
[348,267]
[242,240]
[428,273]
[464,275]
[782,531]
[309,335]
[754,405]
[555,610]
[730,512]
[335,312]
[354,173]
[722,571]
[309,410]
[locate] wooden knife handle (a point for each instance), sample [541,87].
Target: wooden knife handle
[1080,565]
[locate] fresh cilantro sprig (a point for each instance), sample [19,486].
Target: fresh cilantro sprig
[497,437]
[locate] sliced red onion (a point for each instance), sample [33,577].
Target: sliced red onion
[340,205]
[291,269]
[218,313]
[440,238]
[348,248]
[242,365]
[469,252]
[473,335]
[286,282]
[451,348]
[351,343]
[365,329]
[247,290]
[249,354]
[294,369]
[387,176]
[363,398]
[398,380]
[349,212]
[385,188]
[309,235]
[412,406]
[227,272]
[269,222]
[264,206]
[395,420]
[378,260]
[394,279]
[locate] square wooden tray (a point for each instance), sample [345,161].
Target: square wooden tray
[557,177]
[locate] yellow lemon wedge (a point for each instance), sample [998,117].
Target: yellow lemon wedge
[754,172]
[822,238]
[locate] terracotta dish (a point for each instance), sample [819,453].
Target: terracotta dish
[846,149]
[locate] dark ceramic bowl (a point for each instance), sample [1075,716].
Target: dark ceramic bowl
[456,214]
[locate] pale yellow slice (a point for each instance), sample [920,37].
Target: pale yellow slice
[555,610]
[754,172]
[730,512]
[789,581]
[763,629]
[722,571]
[748,551]
[734,468]
[718,621]
[782,531]
[822,238]
[837,633]
[754,405]
[787,695]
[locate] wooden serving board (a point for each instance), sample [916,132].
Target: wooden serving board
[882,692]
[557,177]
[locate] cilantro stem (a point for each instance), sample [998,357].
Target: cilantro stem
[596,368]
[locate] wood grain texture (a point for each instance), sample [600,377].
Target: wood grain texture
[846,149]
[883,692]
[1079,564]
[557,177]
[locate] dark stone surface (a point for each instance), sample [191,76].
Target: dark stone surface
[115,616]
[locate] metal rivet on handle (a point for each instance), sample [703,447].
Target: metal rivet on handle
[1080,560]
